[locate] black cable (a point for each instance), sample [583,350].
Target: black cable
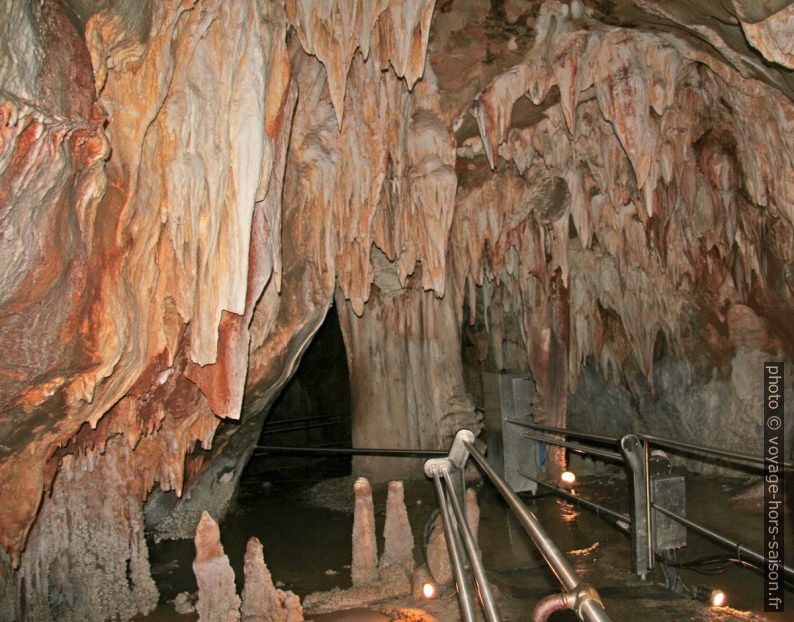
[711,565]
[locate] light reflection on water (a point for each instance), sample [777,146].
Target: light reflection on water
[301,543]
[568,511]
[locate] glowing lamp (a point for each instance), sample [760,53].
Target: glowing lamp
[714,598]
[428,590]
[568,477]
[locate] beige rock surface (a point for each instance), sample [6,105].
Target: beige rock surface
[179,208]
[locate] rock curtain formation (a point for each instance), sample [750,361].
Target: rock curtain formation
[588,190]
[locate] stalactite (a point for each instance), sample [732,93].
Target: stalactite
[648,136]
[333,30]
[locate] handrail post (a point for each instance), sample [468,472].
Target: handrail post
[433,469]
[641,538]
[586,602]
[451,470]
[483,587]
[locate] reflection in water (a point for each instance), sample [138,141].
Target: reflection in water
[568,511]
[586,551]
[304,542]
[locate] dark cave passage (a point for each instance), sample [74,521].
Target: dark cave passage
[312,411]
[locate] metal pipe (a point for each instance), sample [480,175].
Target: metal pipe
[270,423]
[564,431]
[648,502]
[632,449]
[547,606]
[583,449]
[323,424]
[484,588]
[590,505]
[464,593]
[351,451]
[731,456]
[590,607]
[741,550]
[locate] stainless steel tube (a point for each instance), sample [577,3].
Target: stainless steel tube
[464,593]
[741,550]
[350,451]
[483,587]
[648,503]
[731,456]
[590,608]
[584,449]
[598,509]
[564,431]
[633,450]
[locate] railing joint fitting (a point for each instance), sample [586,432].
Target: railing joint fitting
[582,593]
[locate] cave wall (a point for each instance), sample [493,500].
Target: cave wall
[179,207]
[152,277]
[674,223]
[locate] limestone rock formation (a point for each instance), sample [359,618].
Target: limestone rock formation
[373,580]
[364,567]
[656,230]
[217,597]
[601,193]
[261,600]
[398,540]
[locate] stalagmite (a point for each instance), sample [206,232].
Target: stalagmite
[364,568]
[261,600]
[398,549]
[437,553]
[473,513]
[217,598]
[373,582]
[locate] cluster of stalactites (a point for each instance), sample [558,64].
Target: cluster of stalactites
[678,188]
[396,32]
[384,177]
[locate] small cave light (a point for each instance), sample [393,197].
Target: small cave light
[428,590]
[712,597]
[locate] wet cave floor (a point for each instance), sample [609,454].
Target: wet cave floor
[303,517]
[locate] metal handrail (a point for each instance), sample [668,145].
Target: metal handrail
[588,604]
[564,431]
[297,428]
[485,593]
[455,555]
[590,505]
[272,422]
[577,447]
[732,456]
[668,443]
[741,550]
[352,451]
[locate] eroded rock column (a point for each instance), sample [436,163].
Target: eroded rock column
[406,374]
[217,597]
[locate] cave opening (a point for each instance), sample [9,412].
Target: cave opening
[312,412]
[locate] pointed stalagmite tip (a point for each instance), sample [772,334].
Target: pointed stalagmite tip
[208,538]
[362,487]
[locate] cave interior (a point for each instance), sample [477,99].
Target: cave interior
[240,239]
